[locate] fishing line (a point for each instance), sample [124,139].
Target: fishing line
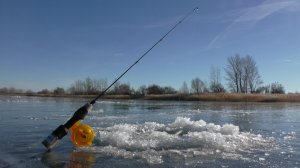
[155,44]
[83,134]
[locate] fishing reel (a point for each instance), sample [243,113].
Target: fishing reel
[81,134]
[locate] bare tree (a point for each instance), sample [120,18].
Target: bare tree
[169,90]
[263,89]
[77,87]
[44,91]
[10,90]
[88,86]
[116,88]
[124,89]
[4,90]
[253,78]
[59,91]
[215,80]
[215,75]
[142,90]
[234,73]
[242,74]
[217,88]
[100,85]
[155,89]
[277,88]
[29,92]
[197,86]
[184,88]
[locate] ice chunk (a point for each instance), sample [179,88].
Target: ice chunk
[184,137]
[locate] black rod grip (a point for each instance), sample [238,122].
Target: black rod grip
[62,130]
[55,136]
[78,115]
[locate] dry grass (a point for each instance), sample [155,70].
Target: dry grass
[227,97]
[230,97]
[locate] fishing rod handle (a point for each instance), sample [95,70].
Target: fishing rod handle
[54,137]
[62,130]
[78,115]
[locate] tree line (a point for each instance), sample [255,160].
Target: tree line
[241,75]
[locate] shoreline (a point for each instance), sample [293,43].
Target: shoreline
[217,97]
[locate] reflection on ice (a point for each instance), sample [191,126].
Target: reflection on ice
[152,142]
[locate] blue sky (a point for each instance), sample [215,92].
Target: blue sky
[45,44]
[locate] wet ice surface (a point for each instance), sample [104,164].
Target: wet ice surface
[152,134]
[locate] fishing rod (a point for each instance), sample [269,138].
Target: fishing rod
[161,39]
[62,130]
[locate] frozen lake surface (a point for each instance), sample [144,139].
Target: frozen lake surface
[136,133]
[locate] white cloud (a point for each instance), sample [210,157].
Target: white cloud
[258,13]
[287,61]
[247,18]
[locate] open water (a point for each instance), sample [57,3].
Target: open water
[137,133]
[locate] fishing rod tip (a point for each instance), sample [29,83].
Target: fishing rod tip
[196,9]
